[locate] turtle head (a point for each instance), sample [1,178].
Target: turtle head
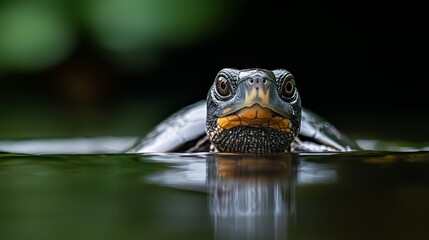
[253,111]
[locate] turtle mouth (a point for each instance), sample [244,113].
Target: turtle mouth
[255,116]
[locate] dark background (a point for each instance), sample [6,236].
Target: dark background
[361,66]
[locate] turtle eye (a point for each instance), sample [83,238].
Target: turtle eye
[288,89]
[222,86]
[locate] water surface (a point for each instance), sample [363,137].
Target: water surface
[358,195]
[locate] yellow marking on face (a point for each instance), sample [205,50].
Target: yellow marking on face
[253,95]
[255,116]
[265,96]
[226,110]
[250,96]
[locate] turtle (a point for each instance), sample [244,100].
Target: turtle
[253,110]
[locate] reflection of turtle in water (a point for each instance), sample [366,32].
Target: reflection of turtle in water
[252,196]
[246,111]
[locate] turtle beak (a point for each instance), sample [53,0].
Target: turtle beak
[257,95]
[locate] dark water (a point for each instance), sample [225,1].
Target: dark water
[361,195]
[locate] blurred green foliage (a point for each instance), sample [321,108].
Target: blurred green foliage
[33,36]
[57,56]
[38,34]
